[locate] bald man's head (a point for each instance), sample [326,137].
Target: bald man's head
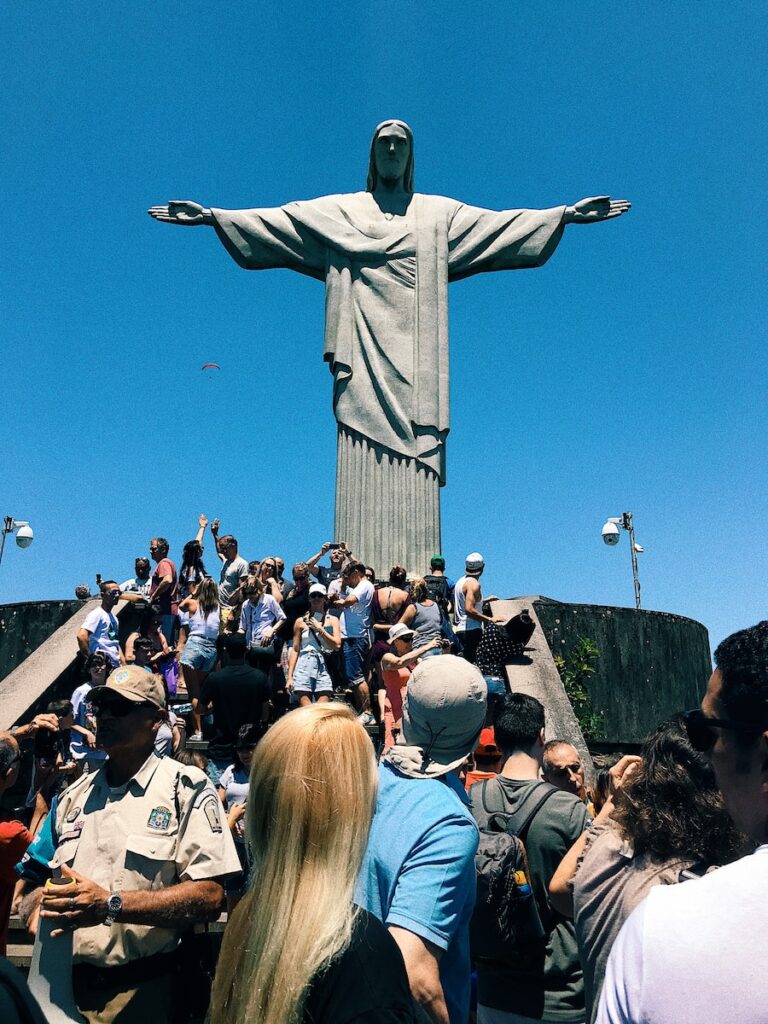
[562,767]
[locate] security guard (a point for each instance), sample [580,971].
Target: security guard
[144,840]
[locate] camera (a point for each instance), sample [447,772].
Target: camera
[611,534]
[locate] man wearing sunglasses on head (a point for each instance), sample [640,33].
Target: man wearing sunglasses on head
[696,952]
[99,631]
[144,840]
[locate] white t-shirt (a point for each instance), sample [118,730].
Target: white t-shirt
[137,586]
[356,618]
[256,618]
[103,629]
[82,714]
[694,953]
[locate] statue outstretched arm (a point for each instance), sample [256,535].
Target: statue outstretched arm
[181,211]
[589,211]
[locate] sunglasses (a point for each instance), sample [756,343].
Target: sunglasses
[701,729]
[112,593]
[115,708]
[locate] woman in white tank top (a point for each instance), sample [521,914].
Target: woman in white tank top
[200,626]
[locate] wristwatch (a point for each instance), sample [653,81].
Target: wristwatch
[114,907]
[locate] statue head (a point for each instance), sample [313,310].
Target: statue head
[391,156]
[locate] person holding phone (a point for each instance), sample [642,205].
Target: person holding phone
[315,635]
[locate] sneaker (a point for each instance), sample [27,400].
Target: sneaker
[366,719]
[196,736]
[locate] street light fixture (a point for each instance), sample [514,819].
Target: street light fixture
[22,529]
[612,533]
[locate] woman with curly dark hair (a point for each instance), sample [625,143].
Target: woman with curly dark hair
[664,822]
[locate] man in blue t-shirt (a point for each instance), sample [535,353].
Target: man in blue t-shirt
[418,875]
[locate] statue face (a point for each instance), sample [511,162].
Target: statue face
[391,152]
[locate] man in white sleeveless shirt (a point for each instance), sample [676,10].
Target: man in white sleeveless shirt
[468,606]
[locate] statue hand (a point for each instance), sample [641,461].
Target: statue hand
[181,212]
[588,211]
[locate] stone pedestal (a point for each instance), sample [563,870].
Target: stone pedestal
[387,506]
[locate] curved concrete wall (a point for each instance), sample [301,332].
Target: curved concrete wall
[23,627]
[651,665]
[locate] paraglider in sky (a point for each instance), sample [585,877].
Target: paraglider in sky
[211,366]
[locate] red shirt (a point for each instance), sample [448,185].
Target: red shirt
[167,599]
[14,840]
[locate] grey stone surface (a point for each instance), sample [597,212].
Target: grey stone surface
[24,687]
[386,257]
[651,665]
[536,675]
[25,625]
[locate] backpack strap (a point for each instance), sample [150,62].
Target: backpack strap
[500,806]
[521,830]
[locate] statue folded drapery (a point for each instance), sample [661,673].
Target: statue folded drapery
[386,257]
[386,335]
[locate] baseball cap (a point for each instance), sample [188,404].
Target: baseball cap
[399,632]
[437,562]
[318,588]
[135,684]
[474,561]
[443,713]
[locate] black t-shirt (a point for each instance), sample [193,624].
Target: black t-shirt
[367,984]
[238,693]
[326,574]
[295,605]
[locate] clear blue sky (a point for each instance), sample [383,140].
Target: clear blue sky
[629,373]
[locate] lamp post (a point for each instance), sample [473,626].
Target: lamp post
[22,529]
[611,535]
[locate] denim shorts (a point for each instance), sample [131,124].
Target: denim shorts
[310,674]
[355,650]
[199,653]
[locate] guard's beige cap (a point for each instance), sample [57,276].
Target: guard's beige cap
[135,684]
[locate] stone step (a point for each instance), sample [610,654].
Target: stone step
[19,956]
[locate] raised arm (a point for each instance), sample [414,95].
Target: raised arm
[594,209]
[203,522]
[312,562]
[182,211]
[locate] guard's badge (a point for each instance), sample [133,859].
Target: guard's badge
[72,816]
[159,819]
[212,814]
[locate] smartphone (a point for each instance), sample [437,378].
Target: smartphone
[335,547]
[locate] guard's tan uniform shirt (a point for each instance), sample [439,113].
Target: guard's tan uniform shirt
[162,827]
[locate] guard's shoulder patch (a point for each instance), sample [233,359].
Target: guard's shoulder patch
[211,808]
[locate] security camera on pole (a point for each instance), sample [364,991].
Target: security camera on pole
[22,529]
[611,534]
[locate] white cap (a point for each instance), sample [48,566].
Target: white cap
[318,588]
[399,632]
[474,561]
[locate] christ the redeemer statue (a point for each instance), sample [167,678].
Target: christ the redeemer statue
[386,256]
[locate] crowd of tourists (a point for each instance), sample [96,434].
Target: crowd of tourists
[392,834]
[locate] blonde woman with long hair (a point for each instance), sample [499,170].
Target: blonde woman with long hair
[297,950]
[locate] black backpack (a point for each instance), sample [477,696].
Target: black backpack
[507,921]
[438,590]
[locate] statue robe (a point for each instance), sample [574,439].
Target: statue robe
[386,339]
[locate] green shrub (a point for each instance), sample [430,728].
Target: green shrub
[575,671]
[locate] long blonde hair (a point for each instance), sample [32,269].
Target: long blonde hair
[310,804]
[208,596]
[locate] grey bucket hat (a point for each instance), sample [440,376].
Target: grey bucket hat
[443,713]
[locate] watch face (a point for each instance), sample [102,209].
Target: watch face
[115,903]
